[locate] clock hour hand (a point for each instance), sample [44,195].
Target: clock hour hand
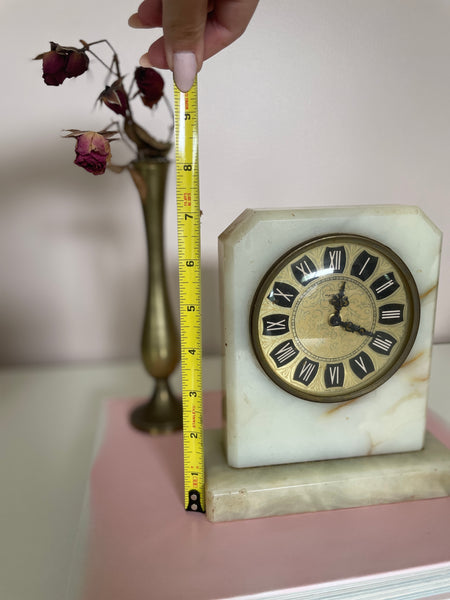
[339,300]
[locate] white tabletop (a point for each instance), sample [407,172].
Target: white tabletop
[48,424]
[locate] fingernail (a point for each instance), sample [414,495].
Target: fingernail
[145,62]
[184,70]
[135,21]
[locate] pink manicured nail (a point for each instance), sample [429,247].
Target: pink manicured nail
[184,70]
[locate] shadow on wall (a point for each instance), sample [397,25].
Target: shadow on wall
[73,265]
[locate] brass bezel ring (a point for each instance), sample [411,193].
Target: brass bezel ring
[412,298]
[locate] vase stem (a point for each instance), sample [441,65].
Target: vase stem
[159,342]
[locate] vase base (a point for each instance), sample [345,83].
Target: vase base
[163,413]
[139,420]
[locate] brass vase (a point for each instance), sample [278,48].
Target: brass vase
[162,413]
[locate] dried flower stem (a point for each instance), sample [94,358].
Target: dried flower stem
[93,149]
[172,116]
[115,58]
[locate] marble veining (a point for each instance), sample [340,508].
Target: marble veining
[254,492]
[266,425]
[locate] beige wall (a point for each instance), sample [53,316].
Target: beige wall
[322,102]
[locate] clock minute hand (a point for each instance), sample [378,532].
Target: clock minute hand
[351,327]
[336,321]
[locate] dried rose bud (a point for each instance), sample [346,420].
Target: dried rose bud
[53,65]
[92,149]
[115,98]
[77,63]
[93,152]
[150,84]
[61,62]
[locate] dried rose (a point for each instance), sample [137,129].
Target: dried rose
[150,85]
[77,63]
[115,98]
[92,149]
[53,68]
[62,62]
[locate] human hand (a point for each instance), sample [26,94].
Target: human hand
[193,30]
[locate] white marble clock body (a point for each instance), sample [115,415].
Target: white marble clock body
[266,425]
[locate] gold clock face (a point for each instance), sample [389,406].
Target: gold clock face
[334,318]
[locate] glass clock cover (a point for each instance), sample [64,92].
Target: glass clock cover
[335,317]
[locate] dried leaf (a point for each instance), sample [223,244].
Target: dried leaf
[139,182]
[144,141]
[106,133]
[117,168]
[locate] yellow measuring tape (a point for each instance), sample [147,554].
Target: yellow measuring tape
[188,217]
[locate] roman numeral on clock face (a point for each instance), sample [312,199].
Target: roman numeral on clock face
[275,324]
[384,286]
[283,294]
[284,353]
[304,270]
[335,259]
[382,342]
[364,265]
[390,314]
[361,365]
[334,375]
[306,371]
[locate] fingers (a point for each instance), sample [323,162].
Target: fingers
[193,30]
[184,25]
[149,14]
[156,56]
[181,48]
[226,23]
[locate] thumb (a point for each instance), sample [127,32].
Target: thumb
[184,26]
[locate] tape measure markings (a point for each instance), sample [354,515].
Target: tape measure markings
[188,220]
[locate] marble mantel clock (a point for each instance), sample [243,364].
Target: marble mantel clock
[327,323]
